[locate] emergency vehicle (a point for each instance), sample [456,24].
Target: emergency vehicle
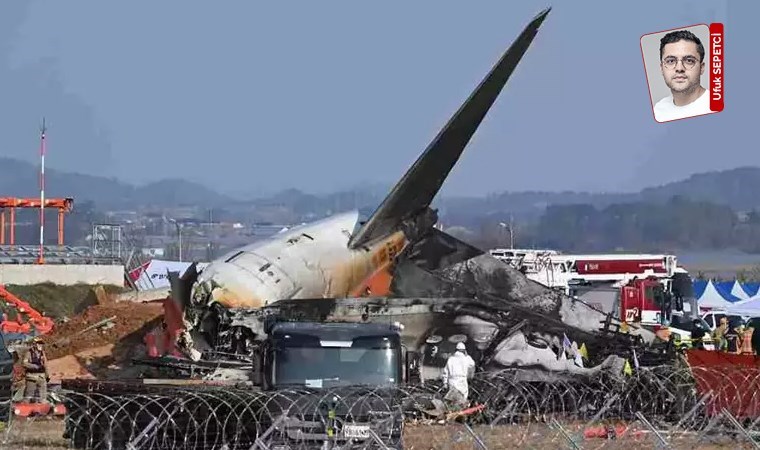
[638,288]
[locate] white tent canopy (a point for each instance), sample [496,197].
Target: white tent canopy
[738,291]
[712,299]
[749,307]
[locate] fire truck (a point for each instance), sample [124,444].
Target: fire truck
[637,288]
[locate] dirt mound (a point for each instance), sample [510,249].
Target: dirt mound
[67,367]
[59,301]
[126,328]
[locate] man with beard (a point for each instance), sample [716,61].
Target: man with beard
[682,63]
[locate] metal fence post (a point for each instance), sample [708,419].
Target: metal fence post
[646,423]
[565,434]
[739,427]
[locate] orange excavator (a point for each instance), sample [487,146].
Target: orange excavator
[36,323]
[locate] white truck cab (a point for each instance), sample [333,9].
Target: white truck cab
[682,326]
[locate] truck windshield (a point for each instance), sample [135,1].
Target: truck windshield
[373,362]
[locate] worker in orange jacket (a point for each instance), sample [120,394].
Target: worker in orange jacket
[747,341]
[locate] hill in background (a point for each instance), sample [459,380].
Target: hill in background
[735,188]
[21,179]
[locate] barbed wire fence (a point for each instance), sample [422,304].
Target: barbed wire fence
[666,407]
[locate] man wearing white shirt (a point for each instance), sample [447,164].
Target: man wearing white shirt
[682,63]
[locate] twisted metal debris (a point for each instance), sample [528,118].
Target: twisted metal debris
[664,401]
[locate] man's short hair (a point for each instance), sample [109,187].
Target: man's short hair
[682,35]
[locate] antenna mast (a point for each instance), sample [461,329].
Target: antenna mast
[41,258]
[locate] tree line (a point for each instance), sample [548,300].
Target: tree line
[676,224]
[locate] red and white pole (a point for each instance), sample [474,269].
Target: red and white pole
[41,258]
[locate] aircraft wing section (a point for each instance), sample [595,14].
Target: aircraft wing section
[438,250]
[419,185]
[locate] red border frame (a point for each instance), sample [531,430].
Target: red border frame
[646,77]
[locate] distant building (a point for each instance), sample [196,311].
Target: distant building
[123,216]
[153,252]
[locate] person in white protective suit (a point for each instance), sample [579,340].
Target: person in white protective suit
[459,368]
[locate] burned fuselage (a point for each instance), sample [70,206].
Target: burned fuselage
[309,261]
[303,263]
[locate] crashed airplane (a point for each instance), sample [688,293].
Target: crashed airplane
[396,265]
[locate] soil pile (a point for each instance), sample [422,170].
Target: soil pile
[67,367]
[59,301]
[122,325]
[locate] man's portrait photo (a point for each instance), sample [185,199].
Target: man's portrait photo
[677,70]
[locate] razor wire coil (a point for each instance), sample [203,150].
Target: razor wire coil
[670,398]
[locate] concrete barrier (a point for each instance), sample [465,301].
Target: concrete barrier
[63,274]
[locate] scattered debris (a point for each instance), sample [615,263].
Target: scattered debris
[104,324]
[101,325]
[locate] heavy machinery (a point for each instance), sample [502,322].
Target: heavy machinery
[318,355]
[20,328]
[647,301]
[361,357]
[6,380]
[640,289]
[277,360]
[348,360]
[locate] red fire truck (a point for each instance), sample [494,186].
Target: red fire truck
[638,288]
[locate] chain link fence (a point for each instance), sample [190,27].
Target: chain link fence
[665,407]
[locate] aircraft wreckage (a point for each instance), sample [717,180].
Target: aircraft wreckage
[396,266]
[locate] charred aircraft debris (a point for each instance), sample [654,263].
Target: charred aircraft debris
[395,266]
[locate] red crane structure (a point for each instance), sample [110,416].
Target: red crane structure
[63,205]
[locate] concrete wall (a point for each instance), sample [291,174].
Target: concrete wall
[63,274]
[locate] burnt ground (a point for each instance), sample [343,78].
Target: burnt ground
[46,433]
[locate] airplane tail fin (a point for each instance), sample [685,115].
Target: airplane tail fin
[419,185]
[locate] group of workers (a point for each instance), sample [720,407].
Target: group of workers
[729,336]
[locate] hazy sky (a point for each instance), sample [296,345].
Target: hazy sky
[257,96]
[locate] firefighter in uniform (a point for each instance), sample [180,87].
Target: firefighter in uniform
[733,338]
[37,375]
[459,367]
[746,339]
[698,335]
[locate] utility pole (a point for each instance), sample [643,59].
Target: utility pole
[41,257]
[179,237]
[509,228]
[179,234]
